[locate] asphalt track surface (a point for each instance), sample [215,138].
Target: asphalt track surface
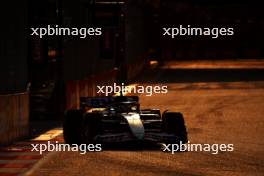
[220,107]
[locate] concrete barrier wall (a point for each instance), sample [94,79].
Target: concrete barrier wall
[133,70]
[83,88]
[14,117]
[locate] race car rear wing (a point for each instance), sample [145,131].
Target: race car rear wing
[101,102]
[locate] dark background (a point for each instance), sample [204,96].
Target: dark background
[142,24]
[245,17]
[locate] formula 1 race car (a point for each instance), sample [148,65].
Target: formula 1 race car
[119,119]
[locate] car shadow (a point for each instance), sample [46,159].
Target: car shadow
[200,75]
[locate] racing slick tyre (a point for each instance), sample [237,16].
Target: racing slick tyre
[71,127]
[91,128]
[173,123]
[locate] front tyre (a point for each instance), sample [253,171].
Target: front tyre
[173,123]
[91,128]
[72,127]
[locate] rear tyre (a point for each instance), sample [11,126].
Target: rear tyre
[72,127]
[173,123]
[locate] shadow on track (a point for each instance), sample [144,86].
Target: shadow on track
[201,75]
